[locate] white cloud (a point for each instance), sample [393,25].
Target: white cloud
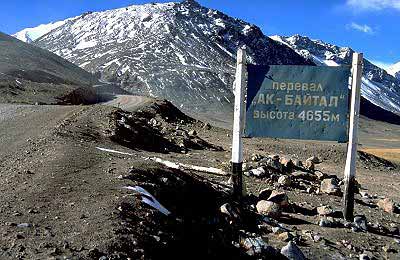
[381,64]
[360,27]
[374,5]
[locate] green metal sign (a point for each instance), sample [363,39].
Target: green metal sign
[298,102]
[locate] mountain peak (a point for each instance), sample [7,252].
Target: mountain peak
[192,2]
[394,70]
[183,52]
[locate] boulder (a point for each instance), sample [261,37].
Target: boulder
[320,175]
[364,194]
[310,166]
[285,180]
[154,123]
[310,190]
[275,165]
[292,252]
[285,236]
[364,257]
[253,246]
[304,175]
[387,205]
[389,249]
[330,186]
[279,197]
[297,163]
[325,210]
[268,208]
[287,163]
[256,157]
[259,172]
[314,159]
[192,133]
[229,211]
[278,230]
[326,222]
[360,223]
[207,126]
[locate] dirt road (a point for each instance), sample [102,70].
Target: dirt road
[128,102]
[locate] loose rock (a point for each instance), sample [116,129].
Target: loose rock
[285,236]
[292,252]
[24,225]
[207,126]
[387,205]
[253,246]
[297,163]
[360,222]
[256,157]
[153,122]
[303,175]
[364,257]
[320,175]
[310,166]
[268,208]
[280,198]
[324,222]
[259,172]
[287,163]
[192,133]
[278,230]
[229,211]
[330,186]
[273,162]
[325,210]
[314,159]
[285,180]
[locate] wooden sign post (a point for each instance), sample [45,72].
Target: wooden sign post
[238,124]
[350,169]
[297,102]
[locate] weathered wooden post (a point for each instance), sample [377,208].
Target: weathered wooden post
[350,169]
[238,124]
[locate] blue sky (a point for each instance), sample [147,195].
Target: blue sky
[369,26]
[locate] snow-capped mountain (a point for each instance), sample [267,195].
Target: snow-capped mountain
[179,51]
[31,34]
[378,87]
[394,70]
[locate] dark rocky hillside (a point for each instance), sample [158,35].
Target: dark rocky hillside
[29,74]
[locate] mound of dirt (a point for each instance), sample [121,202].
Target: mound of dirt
[194,230]
[166,111]
[371,160]
[79,96]
[148,129]
[154,128]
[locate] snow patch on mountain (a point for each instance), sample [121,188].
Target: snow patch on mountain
[378,87]
[31,34]
[394,70]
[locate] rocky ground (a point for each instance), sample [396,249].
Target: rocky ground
[64,172]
